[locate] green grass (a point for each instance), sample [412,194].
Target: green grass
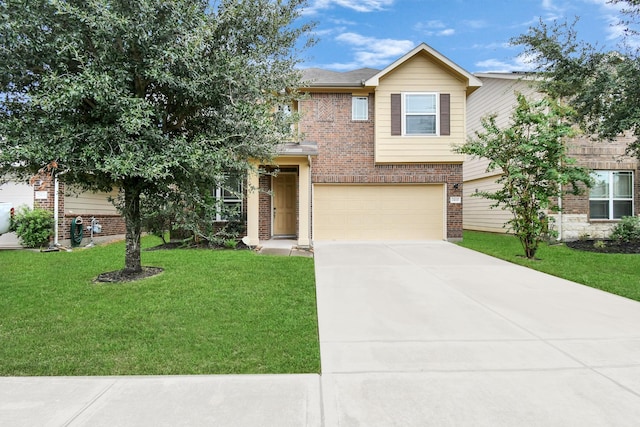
[615,273]
[209,312]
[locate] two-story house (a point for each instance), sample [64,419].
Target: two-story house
[376,161]
[592,214]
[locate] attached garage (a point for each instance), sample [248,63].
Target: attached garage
[378,212]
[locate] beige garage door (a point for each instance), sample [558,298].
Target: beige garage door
[378,212]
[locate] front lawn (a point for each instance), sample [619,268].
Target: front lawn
[210,312]
[615,273]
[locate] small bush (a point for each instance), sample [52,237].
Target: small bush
[33,227]
[231,244]
[627,230]
[599,244]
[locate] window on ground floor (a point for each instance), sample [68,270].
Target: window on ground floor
[228,195]
[612,195]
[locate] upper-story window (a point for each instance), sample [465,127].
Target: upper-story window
[612,195]
[359,108]
[420,114]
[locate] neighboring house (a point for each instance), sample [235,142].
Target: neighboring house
[593,214]
[376,161]
[18,194]
[41,193]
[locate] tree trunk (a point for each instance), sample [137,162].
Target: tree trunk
[132,263]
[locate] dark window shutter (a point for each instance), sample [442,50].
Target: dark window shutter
[445,114]
[396,114]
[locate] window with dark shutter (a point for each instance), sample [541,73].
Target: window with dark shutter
[396,114]
[445,114]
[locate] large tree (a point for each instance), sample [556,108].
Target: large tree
[602,86]
[144,95]
[532,157]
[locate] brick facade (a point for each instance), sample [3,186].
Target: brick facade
[596,155]
[346,153]
[265,207]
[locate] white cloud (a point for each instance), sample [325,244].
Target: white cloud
[475,24]
[434,28]
[520,63]
[492,46]
[357,5]
[371,51]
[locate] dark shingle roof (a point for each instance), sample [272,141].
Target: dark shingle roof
[327,78]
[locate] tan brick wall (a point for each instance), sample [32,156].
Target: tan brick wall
[346,153]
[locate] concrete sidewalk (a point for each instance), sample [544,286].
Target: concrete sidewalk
[206,400]
[412,334]
[415,334]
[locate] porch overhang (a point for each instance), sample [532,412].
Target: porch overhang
[305,148]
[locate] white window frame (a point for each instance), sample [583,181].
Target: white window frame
[405,114]
[224,197]
[611,196]
[357,110]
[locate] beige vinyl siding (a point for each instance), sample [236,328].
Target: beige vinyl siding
[476,211]
[89,203]
[496,96]
[419,74]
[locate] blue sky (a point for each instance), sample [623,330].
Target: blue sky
[474,34]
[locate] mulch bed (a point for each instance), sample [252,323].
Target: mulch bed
[610,246]
[119,276]
[191,245]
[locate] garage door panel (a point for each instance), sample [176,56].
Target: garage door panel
[378,212]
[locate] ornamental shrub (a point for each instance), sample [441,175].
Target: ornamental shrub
[627,230]
[34,227]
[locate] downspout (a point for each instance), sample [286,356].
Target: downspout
[56,189]
[311,204]
[559,238]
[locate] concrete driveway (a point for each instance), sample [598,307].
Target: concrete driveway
[428,333]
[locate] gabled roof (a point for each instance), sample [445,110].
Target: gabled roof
[317,77]
[472,81]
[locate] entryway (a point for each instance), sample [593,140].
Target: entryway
[284,204]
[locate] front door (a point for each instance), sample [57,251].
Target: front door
[284,205]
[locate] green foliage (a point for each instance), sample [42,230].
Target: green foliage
[602,87]
[627,230]
[145,95]
[599,244]
[230,243]
[197,216]
[534,164]
[34,227]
